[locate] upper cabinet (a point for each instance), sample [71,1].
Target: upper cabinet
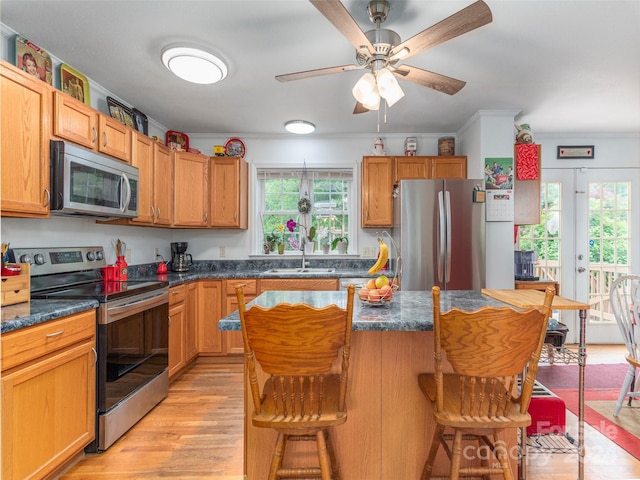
[81,124]
[380,174]
[229,192]
[190,189]
[526,201]
[25,102]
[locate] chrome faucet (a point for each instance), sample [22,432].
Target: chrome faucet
[302,243]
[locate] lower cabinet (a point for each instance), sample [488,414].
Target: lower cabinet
[177,328]
[323,284]
[48,395]
[233,343]
[209,313]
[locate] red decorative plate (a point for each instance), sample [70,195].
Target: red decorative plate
[235,148]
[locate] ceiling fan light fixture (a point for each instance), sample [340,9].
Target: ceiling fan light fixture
[365,91]
[299,127]
[194,65]
[389,87]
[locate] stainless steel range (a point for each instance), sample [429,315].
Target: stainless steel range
[132,332]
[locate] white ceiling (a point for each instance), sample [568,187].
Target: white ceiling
[568,66]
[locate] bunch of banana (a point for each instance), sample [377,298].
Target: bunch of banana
[383,256]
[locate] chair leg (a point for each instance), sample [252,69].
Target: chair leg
[335,470]
[502,455]
[323,457]
[456,455]
[625,389]
[435,445]
[632,388]
[278,454]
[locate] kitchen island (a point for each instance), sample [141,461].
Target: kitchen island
[390,423]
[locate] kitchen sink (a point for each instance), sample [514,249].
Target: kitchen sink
[300,270]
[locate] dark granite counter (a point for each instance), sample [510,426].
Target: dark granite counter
[37,311]
[407,311]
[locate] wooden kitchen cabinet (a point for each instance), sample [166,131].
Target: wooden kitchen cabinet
[48,395]
[229,192]
[376,192]
[526,198]
[177,329]
[209,314]
[233,343]
[155,184]
[448,167]
[322,284]
[77,122]
[191,189]
[407,168]
[26,129]
[191,322]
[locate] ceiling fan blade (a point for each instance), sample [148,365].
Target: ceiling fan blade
[438,82]
[474,16]
[287,77]
[360,108]
[336,13]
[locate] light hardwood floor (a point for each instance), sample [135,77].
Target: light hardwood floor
[197,432]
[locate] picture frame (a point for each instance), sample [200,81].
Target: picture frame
[177,140]
[566,152]
[75,84]
[140,121]
[33,60]
[120,112]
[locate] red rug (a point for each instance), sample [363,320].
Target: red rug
[602,383]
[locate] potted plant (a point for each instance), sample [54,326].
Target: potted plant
[270,241]
[342,243]
[309,245]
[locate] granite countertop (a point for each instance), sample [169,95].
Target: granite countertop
[37,311]
[407,311]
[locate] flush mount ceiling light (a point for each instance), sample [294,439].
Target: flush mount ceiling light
[194,65]
[300,127]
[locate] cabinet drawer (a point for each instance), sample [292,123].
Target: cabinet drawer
[29,343]
[177,294]
[250,286]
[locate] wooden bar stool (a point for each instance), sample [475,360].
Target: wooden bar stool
[488,350]
[296,345]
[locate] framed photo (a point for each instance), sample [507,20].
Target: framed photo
[33,60]
[575,151]
[73,83]
[141,122]
[120,112]
[177,140]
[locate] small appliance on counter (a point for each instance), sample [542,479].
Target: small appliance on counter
[523,263]
[180,259]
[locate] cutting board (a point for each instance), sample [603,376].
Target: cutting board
[526,298]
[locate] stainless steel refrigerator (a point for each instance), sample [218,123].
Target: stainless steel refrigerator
[440,231]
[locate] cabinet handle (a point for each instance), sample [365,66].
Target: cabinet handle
[95,357]
[153,212]
[55,334]
[158,210]
[235,216]
[106,139]
[206,217]
[169,318]
[95,134]
[48,200]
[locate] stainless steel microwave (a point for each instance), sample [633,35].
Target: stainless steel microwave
[86,183]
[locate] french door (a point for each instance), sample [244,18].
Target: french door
[596,218]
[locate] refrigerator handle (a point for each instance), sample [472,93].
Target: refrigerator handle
[447,197]
[441,236]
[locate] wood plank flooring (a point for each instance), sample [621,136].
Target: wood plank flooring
[197,432]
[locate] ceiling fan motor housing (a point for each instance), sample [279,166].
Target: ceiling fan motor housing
[383,40]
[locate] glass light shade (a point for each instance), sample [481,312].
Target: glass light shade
[365,91]
[300,127]
[389,88]
[194,65]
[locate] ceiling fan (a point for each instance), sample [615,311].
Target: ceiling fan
[379,50]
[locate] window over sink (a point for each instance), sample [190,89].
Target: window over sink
[311,197]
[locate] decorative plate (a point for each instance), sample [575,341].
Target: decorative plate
[177,140]
[33,60]
[235,148]
[74,83]
[120,112]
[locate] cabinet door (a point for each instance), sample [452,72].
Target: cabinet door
[448,167]
[142,157]
[233,342]
[526,203]
[114,138]
[163,185]
[191,322]
[407,168]
[209,313]
[74,120]
[229,192]
[48,412]
[191,193]
[25,103]
[377,188]
[319,284]
[176,338]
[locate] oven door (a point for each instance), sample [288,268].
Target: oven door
[133,340]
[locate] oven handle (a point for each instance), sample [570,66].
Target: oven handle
[123,310]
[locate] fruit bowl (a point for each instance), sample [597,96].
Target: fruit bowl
[376,297]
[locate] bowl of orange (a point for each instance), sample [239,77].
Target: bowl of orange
[377,291]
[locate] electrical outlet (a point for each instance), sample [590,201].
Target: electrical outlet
[156,253]
[127,255]
[223,252]
[368,252]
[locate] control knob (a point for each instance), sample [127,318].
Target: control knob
[26,258]
[38,258]
[99,255]
[91,256]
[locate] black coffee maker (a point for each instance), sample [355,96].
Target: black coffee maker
[180,259]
